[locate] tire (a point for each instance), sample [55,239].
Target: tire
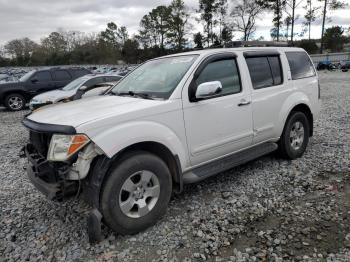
[295,136]
[123,187]
[14,102]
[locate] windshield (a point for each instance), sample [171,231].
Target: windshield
[75,84]
[156,78]
[27,76]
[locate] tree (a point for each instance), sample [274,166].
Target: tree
[332,5]
[277,6]
[309,45]
[21,50]
[123,34]
[226,35]
[244,16]
[310,15]
[178,24]
[291,17]
[334,39]
[155,25]
[131,51]
[198,40]
[221,7]
[207,10]
[111,35]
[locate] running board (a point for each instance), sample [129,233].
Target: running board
[228,162]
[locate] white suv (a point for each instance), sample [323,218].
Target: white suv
[174,120]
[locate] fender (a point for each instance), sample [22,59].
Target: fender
[293,100]
[127,134]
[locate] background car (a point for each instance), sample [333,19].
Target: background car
[322,65]
[14,95]
[346,66]
[73,90]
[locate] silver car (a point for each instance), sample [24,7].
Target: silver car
[74,90]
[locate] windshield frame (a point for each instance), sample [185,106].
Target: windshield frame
[195,58]
[27,76]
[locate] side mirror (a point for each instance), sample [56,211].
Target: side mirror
[34,80]
[208,89]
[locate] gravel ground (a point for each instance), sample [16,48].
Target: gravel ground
[267,210]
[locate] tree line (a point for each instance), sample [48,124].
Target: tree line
[169,29]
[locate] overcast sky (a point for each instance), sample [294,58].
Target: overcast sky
[37,18]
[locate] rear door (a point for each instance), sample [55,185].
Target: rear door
[40,82]
[270,88]
[61,78]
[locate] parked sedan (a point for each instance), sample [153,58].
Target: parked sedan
[346,66]
[74,90]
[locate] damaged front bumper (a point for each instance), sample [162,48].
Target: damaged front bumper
[49,177]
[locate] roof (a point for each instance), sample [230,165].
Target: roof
[238,49]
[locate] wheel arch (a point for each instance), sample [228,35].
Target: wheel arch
[101,165]
[304,108]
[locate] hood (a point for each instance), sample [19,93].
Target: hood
[82,111]
[53,96]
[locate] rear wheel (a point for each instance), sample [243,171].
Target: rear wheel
[136,193]
[295,136]
[15,102]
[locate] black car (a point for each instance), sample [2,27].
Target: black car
[14,95]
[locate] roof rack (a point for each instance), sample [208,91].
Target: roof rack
[256,44]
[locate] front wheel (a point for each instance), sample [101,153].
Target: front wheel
[14,102]
[136,193]
[295,136]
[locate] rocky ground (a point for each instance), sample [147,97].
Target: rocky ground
[267,210]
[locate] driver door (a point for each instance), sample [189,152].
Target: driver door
[222,124]
[41,82]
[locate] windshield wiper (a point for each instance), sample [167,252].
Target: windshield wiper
[134,94]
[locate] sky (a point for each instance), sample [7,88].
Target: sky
[37,18]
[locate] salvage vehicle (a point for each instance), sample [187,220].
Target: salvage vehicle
[73,90]
[15,95]
[173,120]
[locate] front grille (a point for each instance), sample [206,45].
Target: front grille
[41,141]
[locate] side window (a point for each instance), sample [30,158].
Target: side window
[43,76]
[226,72]
[300,65]
[62,75]
[265,71]
[113,78]
[94,81]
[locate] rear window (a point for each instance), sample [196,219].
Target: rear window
[62,75]
[300,65]
[79,72]
[265,71]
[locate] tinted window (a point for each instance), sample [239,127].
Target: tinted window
[62,75]
[224,71]
[300,65]
[260,72]
[79,72]
[43,76]
[276,69]
[94,81]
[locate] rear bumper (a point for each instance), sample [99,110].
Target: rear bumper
[48,177]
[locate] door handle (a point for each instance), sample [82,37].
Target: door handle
[244,102]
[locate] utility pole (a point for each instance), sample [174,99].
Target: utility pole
[292,33]
[278,20]
[323,22]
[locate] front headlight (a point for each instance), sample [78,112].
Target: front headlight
[62,147]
